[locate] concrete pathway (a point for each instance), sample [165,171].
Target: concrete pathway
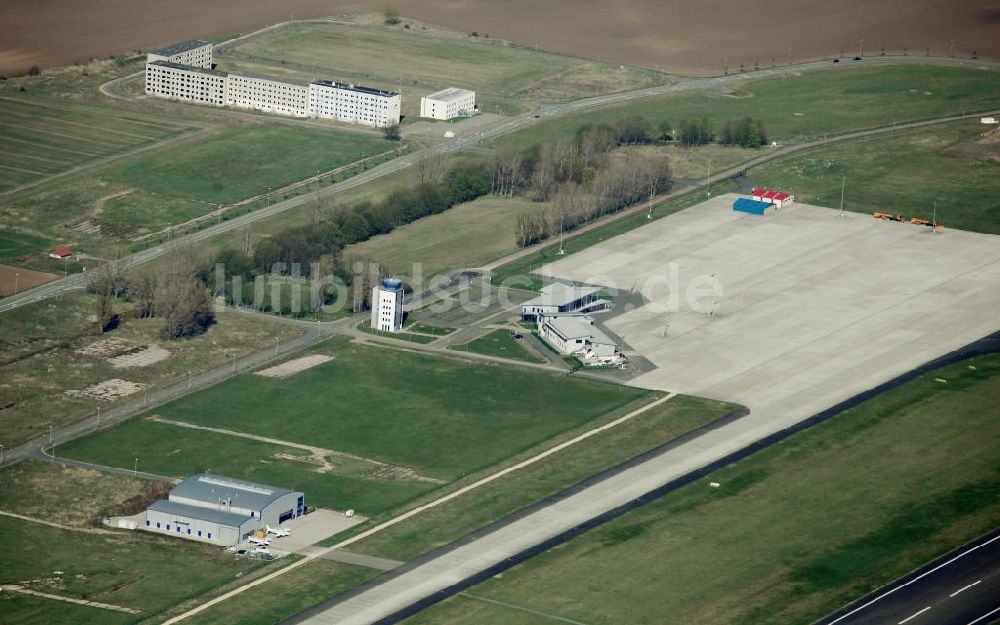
[69,528]
[349,557]
[93,604]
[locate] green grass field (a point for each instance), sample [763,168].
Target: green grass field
[360,53]
[135,570]
[807,106]
[488,503]
[466,235]
[422,338]
[41,136]
[439,416]
[500,344]
[264,155]
[39,343]
[61,494]
[953,165]
[794,531]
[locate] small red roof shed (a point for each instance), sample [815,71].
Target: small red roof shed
[61,252]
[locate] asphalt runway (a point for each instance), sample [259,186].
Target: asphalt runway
[959,588]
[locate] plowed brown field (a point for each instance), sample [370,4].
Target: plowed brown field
[682,36]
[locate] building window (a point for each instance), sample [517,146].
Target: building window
[199,533]
[210,535]
[157,525]
[168,527]
[147,522]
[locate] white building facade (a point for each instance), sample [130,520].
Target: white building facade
[353,104]
[272,95]
[576,334]
[387,306]
[166,79]
[448,103]
[196,53]
[183,72]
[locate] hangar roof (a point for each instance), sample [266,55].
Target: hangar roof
[212,488]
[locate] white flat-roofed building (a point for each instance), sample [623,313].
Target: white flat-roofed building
[353,104]
[387,305]
[222,510]
[196,53]
[283,96]
[448,103]
[558,298]
[166,79]
[577,334]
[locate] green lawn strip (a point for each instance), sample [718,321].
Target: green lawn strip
[176,451]
[62,494]
[446,418]
[493,501]
[287,595]
[795,530]
[366,327]
[135,570]
[265,155]
[951,165]
[28,610]
[500,344]
[14,244]
[550,253]
[803,107]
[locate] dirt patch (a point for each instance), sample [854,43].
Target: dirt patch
[17,279]
[149,355]
[689,38]
[292,367]
[109,348]
[108,390]
[985,147]
[101,201]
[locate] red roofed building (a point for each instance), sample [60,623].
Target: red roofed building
[777,198]
[61,252]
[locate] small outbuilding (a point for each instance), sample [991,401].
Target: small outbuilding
[754,207]
[448,103]
[61,252]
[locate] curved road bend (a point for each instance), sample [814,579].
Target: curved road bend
[959,588]
[78,281]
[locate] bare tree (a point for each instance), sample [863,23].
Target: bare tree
[432,168]
[391,132]
[248,241]
[183,303]
[143,289]
[505,173]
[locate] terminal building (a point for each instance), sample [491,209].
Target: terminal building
[576,333]
[560,298]
[184,72]
[222,510]
[448,103]
[387,306]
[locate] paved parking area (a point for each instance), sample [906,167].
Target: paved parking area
[815,308]
[312,528]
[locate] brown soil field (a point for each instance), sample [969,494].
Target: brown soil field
[25,279]
[678,35]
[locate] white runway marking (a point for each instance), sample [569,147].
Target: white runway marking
[914,615]
[965,587]
[987,615]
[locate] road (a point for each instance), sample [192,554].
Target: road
[77,282]
[959,588]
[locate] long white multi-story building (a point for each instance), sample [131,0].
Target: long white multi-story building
[165,79]
[169,77]
[283,96]
[353,104]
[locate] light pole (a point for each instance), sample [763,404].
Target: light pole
[1,453]
[50,435]
[135,468]
[189,380]
[143,398]
[708,178]
[17,277]
[234,363]
[276,346]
